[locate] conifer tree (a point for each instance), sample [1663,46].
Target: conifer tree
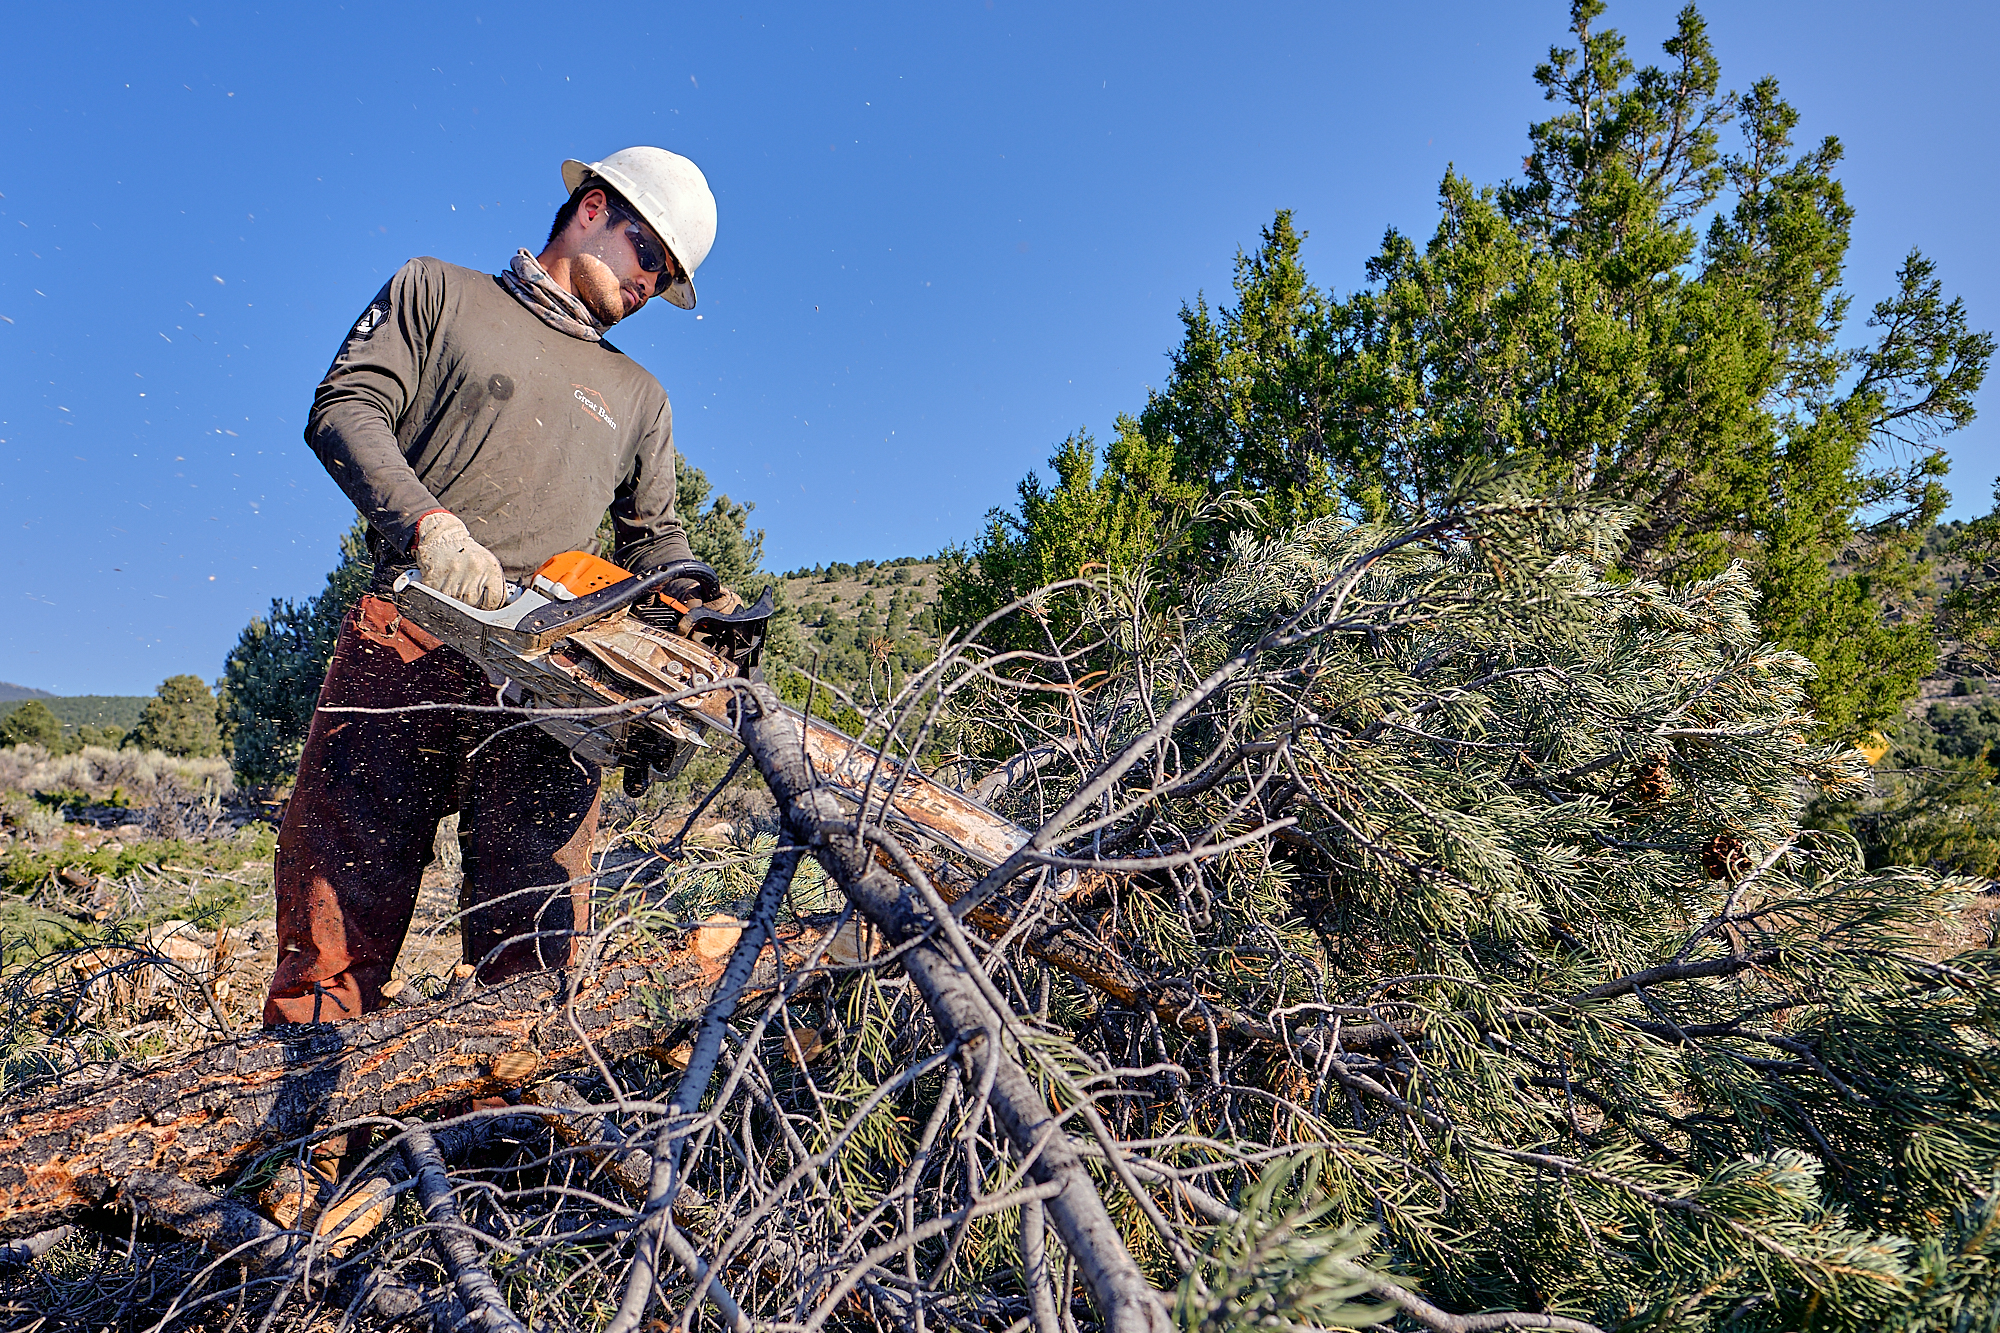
[180,719]
[1650,315]
[1502,849]
[272,677]
[32,724]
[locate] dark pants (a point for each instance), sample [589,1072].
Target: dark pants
[363,820]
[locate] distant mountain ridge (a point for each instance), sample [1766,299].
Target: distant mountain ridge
[10,692]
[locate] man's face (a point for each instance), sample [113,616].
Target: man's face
[613,252]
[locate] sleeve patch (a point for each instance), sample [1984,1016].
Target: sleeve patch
[371,318]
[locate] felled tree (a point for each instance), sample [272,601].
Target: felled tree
[1479,880]
[1411,925]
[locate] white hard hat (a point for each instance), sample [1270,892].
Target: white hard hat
[670,193]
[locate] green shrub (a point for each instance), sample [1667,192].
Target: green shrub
[180,720]
[32,724]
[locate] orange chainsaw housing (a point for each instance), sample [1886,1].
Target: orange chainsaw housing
[579,572]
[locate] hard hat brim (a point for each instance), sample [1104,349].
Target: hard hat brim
[575,173]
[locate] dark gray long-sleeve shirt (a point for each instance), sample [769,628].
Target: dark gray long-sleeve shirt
[450,394]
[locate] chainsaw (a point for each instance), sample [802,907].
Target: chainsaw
[614,668]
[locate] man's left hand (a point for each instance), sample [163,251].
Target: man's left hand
[722,603]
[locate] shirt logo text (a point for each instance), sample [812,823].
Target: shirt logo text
[593,403]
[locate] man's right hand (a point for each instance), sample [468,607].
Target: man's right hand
[457,566]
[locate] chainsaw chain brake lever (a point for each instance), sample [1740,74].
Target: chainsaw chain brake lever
[737,635]
[748,617]
[592,606]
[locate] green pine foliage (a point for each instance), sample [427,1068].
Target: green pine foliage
[1652,315]
[32,724]
[272,677]
[719,532]
[181,720]
[1276,1267]
[1666,1058]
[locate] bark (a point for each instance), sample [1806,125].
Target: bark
[579,1125]
[226,1226]
[229,1229]
[34,1247]
[203,1116]
[1126,1301]
[486,1309]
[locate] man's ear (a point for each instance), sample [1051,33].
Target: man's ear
[591,207]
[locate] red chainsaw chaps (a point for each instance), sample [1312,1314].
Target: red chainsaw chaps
[381,621]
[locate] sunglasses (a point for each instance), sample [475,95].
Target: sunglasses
[652,256]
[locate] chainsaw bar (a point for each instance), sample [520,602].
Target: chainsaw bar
[531,660]
[614,658]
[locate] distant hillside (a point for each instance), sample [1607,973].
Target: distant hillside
[94,710]
[11,693]
[854,617]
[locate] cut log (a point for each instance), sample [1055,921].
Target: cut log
[205,1115]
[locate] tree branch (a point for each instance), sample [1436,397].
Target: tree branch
[485,1308]
[1125,1300]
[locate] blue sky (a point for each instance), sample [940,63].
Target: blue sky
[950,234]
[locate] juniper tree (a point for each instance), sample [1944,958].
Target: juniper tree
[32,724]
[272,676]
[180,719]
[1652,314]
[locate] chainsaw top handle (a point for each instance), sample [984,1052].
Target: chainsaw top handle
[597,605]
[708,582]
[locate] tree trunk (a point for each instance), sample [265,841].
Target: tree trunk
[205,1115]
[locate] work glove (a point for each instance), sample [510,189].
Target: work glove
[457,566]
[688,593]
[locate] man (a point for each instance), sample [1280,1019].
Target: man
[481,424]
